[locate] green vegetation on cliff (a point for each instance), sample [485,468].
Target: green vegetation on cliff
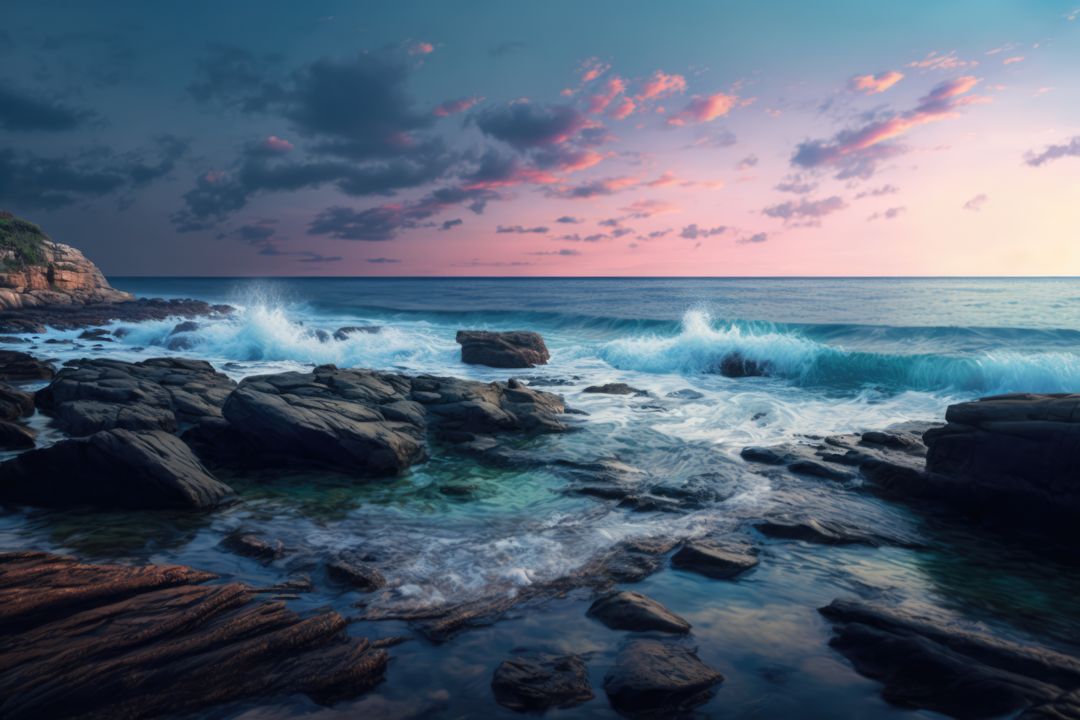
[22,243]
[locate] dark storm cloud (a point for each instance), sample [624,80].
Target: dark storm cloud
[805,213]
[450,224]
[363,132]
[23,111]
[569,220]
[1053,152]
[32,181]
[382,261]
[524,125]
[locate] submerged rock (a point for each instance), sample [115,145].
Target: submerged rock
[654,676]
[113,468]
[156,394]
[629,610]
[537,682]
[355,574]
[251,545]
[615,389]
[933,664]
[343,333]
[109,641]
[736,365]
[715,560]
[517,349]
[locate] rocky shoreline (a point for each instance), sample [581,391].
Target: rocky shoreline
[169,433]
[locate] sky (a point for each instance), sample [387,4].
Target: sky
[621,137]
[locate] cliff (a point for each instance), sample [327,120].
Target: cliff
[35,270]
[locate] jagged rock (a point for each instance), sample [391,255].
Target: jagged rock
[537,682]
[19,367]
[658,676]
[1014,455]
[815,469]
[110,641]
[764,455]
[355,574]
[629,610]
[36,319]
[931,663]
[157,394]
[615,389]
[113,468]
[518,349]
[820,532]
[715,560]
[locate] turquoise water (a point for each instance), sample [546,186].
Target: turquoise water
[843,356]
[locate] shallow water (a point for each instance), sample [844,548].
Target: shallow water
[844,356]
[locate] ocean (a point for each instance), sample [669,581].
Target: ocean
[842,355]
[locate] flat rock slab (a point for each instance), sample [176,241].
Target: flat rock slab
[933,664]
[110,641]
[157,394]
[653,676]
[112,468]
[516,349]
[540,681]
[714,559]
[75,316]
[615,389]
[629,610]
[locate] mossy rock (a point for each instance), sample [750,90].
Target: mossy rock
[24,239]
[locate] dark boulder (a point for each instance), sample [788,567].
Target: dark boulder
[816,469]
[716,560]
[932,663]
[1014,456]
[140,642]
[736,365]
[657,676]
[157,394]
[19,367]
[537,682]
[252,546]
[15,403]
[765,455]
[96,335]
[517,349]
[629,610]
[114,468]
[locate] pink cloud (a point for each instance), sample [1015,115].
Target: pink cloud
[667,179]
[594,188]
[648,208]
[276,146]
[421,48]
[873,84]
[704,108]
[662,84]
[599,102]
[938,61]
[452,107]
[592,69]
[1011,60]
[623,109]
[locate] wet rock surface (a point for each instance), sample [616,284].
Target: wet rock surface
[615,389]
[112,468]
[652,677]
[108,641]
[715,559]
[516,349]
[628,610]
[72,317]
[931,663]
[539,681]
[157,394]
[20,367]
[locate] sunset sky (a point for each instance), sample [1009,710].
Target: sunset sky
[547,138]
